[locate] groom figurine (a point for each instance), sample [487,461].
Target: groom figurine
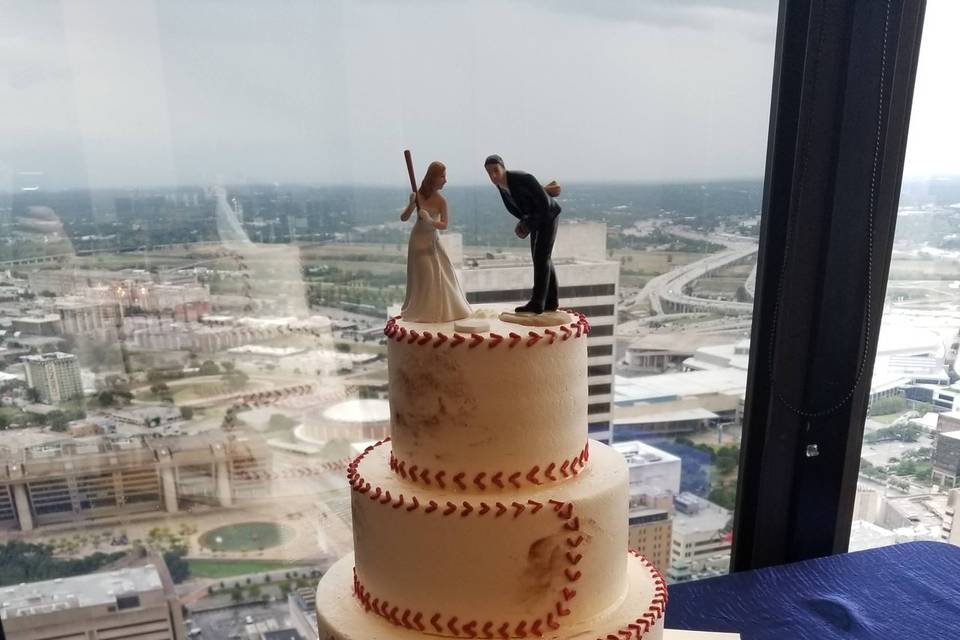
[528,201]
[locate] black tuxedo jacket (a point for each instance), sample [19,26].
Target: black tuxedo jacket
[527,200]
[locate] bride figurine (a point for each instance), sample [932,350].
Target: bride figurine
[433,292]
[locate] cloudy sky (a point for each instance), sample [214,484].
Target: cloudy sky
[105,93]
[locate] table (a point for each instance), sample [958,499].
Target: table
[908,591]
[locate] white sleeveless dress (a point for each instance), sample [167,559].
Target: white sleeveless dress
[433,291]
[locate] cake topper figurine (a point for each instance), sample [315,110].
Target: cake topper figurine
[433,291]
[534,206]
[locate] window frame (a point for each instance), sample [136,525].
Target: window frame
[842,90]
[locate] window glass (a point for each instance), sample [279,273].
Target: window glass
[911,447]
[200,244]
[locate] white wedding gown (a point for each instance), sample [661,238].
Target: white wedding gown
[433,292]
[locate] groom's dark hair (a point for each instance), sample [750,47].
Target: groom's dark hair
[494,159]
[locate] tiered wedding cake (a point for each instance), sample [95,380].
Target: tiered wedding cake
[489,514]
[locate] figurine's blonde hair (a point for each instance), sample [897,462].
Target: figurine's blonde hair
[433,171]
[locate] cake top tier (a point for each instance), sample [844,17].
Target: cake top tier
[508,400]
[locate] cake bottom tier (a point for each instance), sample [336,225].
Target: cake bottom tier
[341,616]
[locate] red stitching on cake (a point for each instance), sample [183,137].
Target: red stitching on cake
[574,543]
[478,480]
[458,479]
[496,479]
[411,619]
[581,325]
[643,624]
[532,475]
[439,479]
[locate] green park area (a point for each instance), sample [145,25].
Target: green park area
[246,536]
[200,568]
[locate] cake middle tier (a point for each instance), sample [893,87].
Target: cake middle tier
[511,400]
[551,553]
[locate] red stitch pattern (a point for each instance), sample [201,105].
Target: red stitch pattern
[643,624]
[394,331]
[534,476]
[524,628]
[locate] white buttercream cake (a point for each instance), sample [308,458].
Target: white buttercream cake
[488,513]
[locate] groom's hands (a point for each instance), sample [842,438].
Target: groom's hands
[521,230]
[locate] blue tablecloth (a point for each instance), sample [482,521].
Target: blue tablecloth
[904,592]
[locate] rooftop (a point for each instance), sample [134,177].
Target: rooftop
[638,453]
[672,386]
[79,591]
[680,415]
[710,517]
[47,357]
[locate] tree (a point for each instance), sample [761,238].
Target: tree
[33,395]
[179,568]
[186,412]
[58,421]
[227,366]
[159,389]
[236,594]
[4,422]
[105,399]
[209,368]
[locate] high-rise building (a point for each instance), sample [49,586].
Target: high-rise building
[651,527]
[654,481]
[946,459]
[55,376]
[87,317]
[125,604]
[588,283]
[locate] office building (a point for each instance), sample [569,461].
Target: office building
[946,459]
[651,526]
[88,317]
[115,476]
[127,604]
[588,283]
[651,469]
[302,604]
[46,325]
[701,537]
[55,376]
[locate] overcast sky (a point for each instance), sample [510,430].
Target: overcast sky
[105,93]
